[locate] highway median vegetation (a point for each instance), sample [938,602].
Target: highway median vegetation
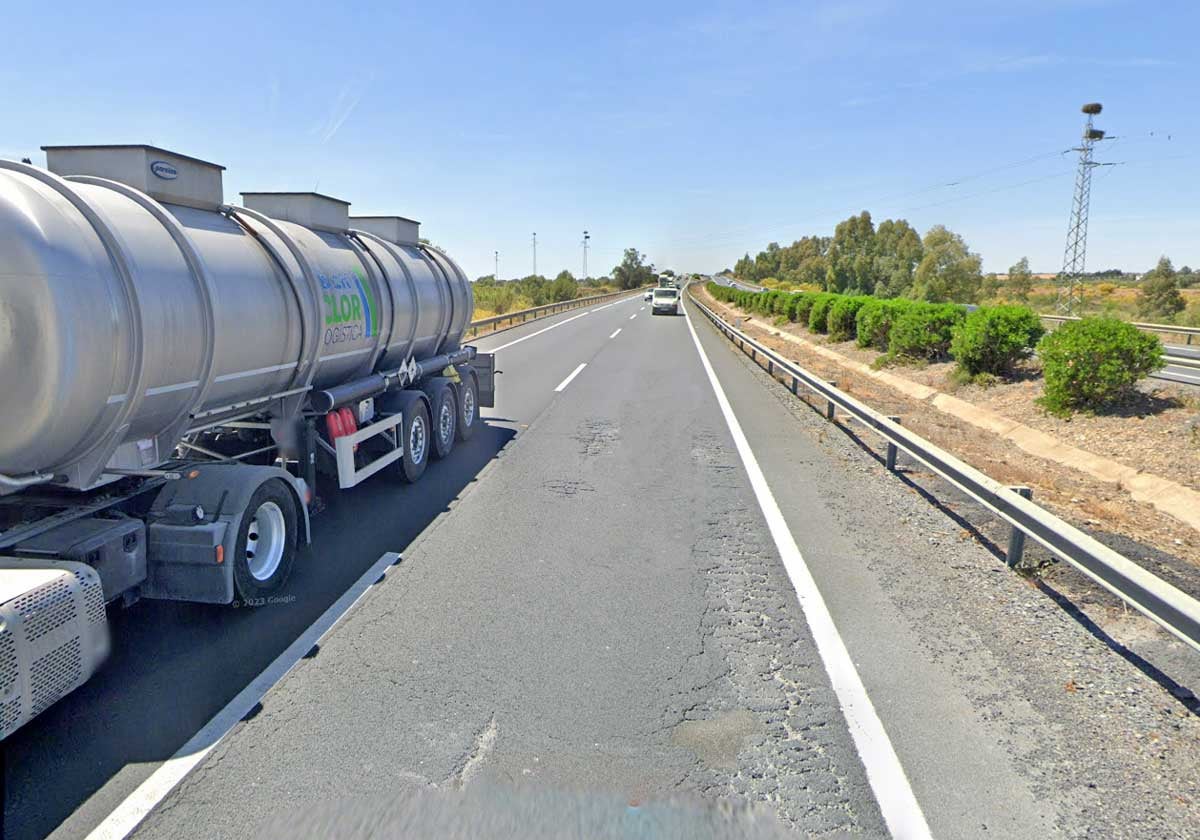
[1087,365]
[992,339]
[999,423]
[1094,363]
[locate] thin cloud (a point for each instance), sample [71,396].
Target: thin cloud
[348,98]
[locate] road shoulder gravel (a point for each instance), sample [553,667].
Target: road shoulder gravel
[934,617]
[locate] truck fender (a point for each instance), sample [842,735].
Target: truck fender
[433,384]
[394,402]
[223,490]
[234,484]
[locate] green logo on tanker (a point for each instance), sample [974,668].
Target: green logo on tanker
[351,311]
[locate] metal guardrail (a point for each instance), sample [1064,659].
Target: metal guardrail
[1183,362]
[1175,610]
[523,315]
[1191,334]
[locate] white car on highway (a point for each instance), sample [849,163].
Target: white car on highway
[665,301]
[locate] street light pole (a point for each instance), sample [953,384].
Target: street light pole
[535,254]
[496,271]
[586,237]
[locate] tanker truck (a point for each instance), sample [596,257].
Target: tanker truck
[176,371]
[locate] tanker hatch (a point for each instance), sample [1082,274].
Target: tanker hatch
[168,176]
[395,229]
[310,209]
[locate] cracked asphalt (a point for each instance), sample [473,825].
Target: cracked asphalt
[594,636]
[603,614]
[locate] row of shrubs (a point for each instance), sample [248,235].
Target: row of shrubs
[989,340]
[1086,364]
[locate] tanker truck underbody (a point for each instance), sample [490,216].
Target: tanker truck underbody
[176,372]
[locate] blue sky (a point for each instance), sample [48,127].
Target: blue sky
[694,131]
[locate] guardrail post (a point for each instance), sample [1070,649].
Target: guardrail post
[830,408]
[1016,537]
[892,451]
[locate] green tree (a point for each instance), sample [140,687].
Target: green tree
[898,252]
[766,264]
[564,287]
[948,270]
[989,287]
[851,263]
[804,261]
[1159,296]
[743,268]
[633,272]
[1020,280]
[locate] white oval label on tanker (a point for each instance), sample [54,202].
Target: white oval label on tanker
[164,170]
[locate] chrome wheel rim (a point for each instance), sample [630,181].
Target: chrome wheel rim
[468,406]
[265,541]
[446,421]
[417,439]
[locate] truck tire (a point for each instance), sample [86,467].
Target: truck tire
[417,441]
[468,408]
[266,542]
[445,421]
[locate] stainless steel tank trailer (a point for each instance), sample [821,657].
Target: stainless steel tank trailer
[175,371]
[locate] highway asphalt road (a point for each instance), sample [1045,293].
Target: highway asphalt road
[597,619]
[175,665]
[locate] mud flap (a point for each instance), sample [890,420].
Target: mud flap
[485,372]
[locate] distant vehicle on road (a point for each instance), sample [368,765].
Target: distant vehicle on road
[665,301]
[649,295]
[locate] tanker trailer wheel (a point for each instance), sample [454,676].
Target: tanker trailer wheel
[445,419]
[266,541]
[468,408]
[418,440]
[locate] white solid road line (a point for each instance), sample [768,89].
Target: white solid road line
[901,811]
[614,335]
[539,332]
[574,373]
[130,813]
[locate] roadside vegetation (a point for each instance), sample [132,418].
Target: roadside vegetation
[892,260]
[1088,365]
[499,297]
[1094,363]
[494,297]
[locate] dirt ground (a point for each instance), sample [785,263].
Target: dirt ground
[1159,433]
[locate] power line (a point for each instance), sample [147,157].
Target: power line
[940,184]
[721,241]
